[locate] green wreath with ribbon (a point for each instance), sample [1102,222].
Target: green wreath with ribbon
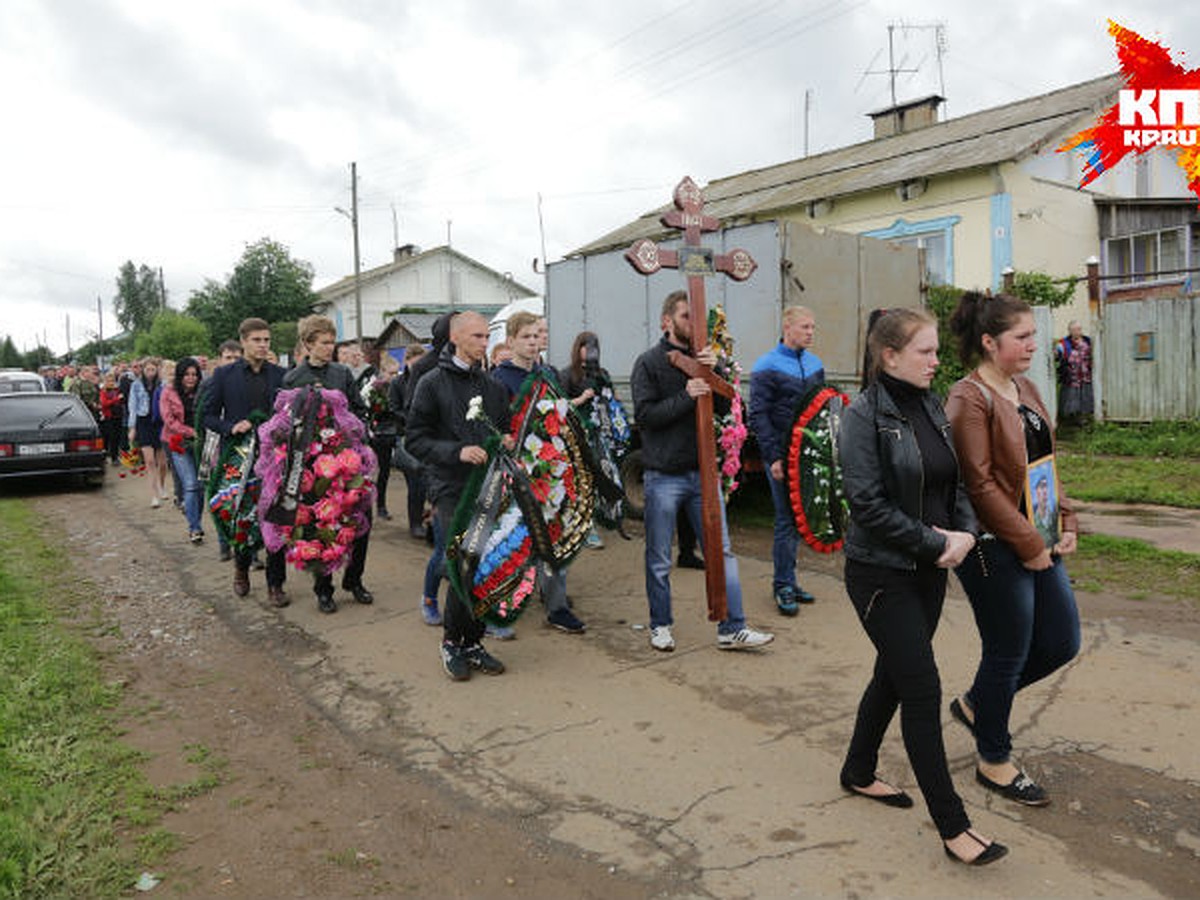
[811,472]
[534,503]
[231,492]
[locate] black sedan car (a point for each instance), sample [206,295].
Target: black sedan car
[49,434]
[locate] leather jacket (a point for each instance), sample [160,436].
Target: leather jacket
[883,475]
[990,439]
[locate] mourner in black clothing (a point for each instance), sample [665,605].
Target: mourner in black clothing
[449,446]
[233,393]
[318,336]
[910,523]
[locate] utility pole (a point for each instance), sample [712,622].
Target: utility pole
[162,289]
[807,109]
[357,263]
[100,334]
[352,215]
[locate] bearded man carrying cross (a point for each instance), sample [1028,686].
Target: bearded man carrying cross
[664,399]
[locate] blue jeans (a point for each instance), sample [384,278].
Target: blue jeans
[1029,627]
[435,570]
[184,466]
[665,494]
[786,539]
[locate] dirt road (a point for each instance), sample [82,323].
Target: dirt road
[596,767]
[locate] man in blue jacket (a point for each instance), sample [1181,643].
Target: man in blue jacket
[778,382]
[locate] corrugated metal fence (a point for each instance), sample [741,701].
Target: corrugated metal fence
[1147,364]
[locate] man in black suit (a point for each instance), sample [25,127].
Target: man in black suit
[232,395]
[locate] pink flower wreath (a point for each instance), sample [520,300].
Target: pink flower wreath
[337,487]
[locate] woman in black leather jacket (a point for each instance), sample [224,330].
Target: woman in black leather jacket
[910,522]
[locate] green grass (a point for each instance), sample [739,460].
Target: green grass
[73,798]
[1164,481]
[1134,569]
[751,505]
[1170,439]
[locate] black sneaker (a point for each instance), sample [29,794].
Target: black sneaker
[565,620]
[454,661]
[480,659]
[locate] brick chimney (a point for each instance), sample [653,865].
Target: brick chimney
[908,116]
[408,251]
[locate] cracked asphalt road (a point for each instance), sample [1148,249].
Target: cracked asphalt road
[716,772]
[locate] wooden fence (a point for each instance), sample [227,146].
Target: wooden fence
[1147,360]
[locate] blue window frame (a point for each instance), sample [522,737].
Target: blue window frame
[935,236]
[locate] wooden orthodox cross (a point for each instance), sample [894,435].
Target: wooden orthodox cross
[696,262]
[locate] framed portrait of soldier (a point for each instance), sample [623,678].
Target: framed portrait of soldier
[1042,501]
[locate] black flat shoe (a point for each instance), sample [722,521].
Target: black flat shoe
[960,715]
[689,561]
[326,603]
[898,800]
[361,594]
[991,852]
[1022,789]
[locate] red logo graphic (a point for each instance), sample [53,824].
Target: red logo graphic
[1159,108]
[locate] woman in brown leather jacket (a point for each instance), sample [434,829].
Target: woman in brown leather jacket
[1018,587]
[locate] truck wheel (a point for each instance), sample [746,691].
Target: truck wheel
[635,490]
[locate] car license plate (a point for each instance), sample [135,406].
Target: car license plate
[39,449]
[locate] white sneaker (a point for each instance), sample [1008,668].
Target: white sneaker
[660,638]
[746,639]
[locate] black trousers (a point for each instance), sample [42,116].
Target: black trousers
[685,532]
[111,430]
[352,574]
[900,611]
[416,498]
[459,625]
[275,566]
[383,445]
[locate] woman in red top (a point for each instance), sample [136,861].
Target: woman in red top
[178,408]
[112,415]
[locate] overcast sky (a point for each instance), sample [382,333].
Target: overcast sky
[173,134]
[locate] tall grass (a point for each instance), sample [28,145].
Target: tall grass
[1135,569]
[1131,479]
[1157,439]
[69,789]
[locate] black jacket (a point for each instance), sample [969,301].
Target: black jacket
[334,376]
[427,363]
[437,428]
[882,474]
[665,413]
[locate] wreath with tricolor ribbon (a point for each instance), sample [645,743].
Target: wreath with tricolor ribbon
[231,492]
[531,504]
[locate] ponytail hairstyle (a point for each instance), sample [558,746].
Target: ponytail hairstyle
[980,313]
[890,329]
